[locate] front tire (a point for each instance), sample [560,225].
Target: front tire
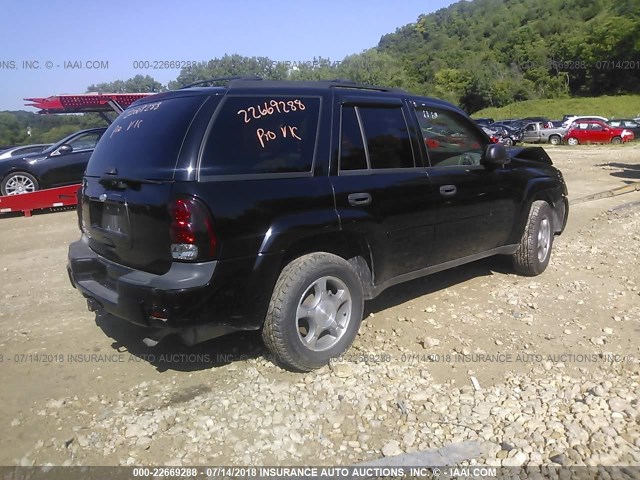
[17,183]
[616,140]
[534,251]
[573,141]
[315,311]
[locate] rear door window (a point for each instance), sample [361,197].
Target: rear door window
[259,134]
[145,140]
[374,138]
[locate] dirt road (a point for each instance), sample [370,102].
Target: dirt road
[77,389]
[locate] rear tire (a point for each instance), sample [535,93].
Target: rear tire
[315,311]
[534,251]
[17,183]
[555,140]
[616,140]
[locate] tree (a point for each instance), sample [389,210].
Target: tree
[231,66]
[137,84]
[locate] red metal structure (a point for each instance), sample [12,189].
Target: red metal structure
[49,198]
[101,103]
[86,102]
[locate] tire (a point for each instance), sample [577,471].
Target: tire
[507,142]
[555,140]
[534,251]
[573,141]
[319,292]
[616,140]
[17,183]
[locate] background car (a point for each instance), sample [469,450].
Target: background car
[584,118]
[627,124]
[61,164]
[483,122]
[507,135]
[23,150]
[596,132]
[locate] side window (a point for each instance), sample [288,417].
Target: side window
[387,136]
[85,142]
[352,154]
[450,140]
[262,134]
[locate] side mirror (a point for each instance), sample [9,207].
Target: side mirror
[63,149]
[495,156]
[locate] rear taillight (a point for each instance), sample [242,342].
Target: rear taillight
[192,235]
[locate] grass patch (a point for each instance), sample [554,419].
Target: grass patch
[622,106]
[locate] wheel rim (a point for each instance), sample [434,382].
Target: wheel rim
[573,141]
[19,184]
[544,239]
[554,140]
[323,314]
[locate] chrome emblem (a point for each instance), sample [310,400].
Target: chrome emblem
[102,197]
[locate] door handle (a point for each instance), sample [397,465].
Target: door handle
[448,190]
[359,199]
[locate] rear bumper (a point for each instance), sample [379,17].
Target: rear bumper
[175,302]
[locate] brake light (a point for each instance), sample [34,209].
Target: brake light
[192,235]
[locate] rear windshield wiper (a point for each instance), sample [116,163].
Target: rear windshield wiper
[122,182]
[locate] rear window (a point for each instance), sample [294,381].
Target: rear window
[262,134]
[145,140]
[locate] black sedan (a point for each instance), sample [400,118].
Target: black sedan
[58,165]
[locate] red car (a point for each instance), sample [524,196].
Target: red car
[595,131]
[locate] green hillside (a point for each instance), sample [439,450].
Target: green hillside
[491,52]
[623,106]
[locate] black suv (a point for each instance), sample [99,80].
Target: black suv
[282,206]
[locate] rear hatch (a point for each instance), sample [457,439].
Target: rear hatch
[126,192]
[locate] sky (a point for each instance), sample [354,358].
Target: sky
[42,46]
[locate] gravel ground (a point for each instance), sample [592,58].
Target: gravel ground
[540,371]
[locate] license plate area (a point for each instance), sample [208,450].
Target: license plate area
[110,220]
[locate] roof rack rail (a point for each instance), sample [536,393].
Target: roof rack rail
[221,79]
[345,83]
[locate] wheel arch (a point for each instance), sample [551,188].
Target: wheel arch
[545,189]
[348,245]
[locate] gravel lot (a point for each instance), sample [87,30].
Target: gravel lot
[537,370]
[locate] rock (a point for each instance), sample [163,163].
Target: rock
[134,431]
[507,447]
[499,342]
[391,449]
[341,369]
[516,461]
[558,458]
[618,405]
[608,331]
[15,422]
[55,403]
[429,342]
[409,438]
[144,442]
[576,435]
